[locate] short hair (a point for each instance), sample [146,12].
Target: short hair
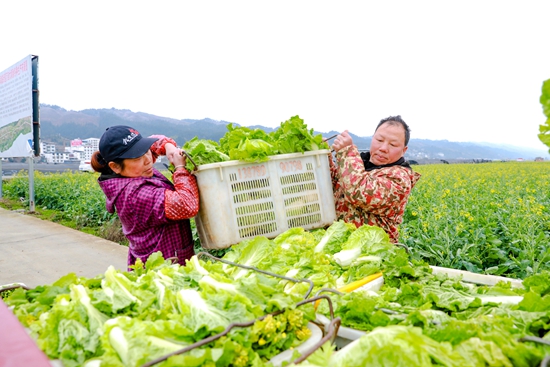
[396,120]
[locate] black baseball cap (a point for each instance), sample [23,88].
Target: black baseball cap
[123,142]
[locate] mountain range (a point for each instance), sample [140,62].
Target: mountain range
[59,126]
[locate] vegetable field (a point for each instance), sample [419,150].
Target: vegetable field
[75,196]
[488,218]
[491,218]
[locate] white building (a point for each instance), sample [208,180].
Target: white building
[79,150]
[90,146]
[75,153]
[47,148]
[83,148]
[57,157]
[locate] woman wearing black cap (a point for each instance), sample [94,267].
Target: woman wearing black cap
[154,212]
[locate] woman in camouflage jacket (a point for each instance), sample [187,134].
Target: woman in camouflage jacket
[373,188]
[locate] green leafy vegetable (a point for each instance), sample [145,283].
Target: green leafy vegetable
[203,151]
[365,240]
[199,313]
[293,136]
[334,237]
[242,143]
[255,145]
[250,253]
[397,346]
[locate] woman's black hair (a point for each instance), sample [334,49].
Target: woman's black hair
[99,164]
[395,120]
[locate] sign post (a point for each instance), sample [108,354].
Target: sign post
[19,115]
[31,185]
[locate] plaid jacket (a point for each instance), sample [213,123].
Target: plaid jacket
[154,212]
[377,197]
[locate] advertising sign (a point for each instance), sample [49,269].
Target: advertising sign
[16,110]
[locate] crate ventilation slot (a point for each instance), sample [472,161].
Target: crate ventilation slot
[301,199]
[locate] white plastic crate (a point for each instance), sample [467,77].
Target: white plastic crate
[240,200]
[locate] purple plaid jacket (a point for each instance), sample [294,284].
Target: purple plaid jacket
[140,205]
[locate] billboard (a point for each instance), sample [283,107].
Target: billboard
[16,109]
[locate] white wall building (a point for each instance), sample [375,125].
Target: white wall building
[79,150]
[47,148]
[75,154]
[57,157]
[90,146]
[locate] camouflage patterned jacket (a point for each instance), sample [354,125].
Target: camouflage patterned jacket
[376,197]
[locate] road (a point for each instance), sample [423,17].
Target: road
[10,169]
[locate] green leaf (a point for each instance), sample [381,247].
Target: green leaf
[544,135]
[538,283]
[397,346]
[293,136]
[203,151]
[335,235]
[545,98]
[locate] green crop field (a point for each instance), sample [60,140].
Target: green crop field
[75,196]
[488,218]
[492,218]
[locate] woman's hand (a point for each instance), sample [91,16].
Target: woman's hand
[343,140]
[175,155]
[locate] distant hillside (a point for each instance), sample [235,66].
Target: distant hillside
[59,126]
[444,149]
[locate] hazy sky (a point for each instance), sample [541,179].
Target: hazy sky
[456,70]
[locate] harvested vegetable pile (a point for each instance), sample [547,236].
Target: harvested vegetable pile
[255,145]
[130,318]
[417,318]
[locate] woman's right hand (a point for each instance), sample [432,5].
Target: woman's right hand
[343,140]
[175,155]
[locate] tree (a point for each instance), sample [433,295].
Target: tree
[544,135]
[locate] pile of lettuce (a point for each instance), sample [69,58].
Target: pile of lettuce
[131,318]
[484,341]
[422,297]
[254,145]
[458,344]
[330,258]
[418,317]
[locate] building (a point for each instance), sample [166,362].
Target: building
[90,146]
[56,157]
[47,148]
[78,150]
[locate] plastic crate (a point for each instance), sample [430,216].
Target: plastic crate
[240,200]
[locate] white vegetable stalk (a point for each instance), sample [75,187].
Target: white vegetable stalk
[119,343]
[344,258]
